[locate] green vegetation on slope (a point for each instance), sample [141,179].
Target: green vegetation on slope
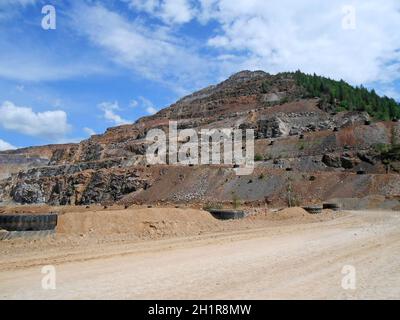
[341,96]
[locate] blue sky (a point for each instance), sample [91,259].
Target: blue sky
[110,62]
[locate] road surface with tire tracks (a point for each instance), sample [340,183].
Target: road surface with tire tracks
[295,261]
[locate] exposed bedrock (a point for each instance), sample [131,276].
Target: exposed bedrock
[301,138]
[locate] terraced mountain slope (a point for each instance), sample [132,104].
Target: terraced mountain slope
[309,147]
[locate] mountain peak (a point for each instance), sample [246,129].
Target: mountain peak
[246,75]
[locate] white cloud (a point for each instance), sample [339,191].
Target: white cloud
[133,103]
[144,104]
[109,109]
[389,91]
[151,110]
[89,131]
[6,146]
[4,3]
[148,105]
[47,124]
[10,8]
[274,35]
[170,11]
[150,51]
[25,51]
[283,35]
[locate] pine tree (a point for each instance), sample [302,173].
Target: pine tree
[342,96]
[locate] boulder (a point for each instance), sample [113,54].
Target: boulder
[348,162]
[331,160]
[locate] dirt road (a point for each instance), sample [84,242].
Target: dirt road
[288,261]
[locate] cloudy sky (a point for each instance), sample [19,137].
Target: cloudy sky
[110,62]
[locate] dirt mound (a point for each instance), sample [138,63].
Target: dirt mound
[293,212]
[34,209]
[373,201]
[290,214]
[143,223]
[299,215]
[86,224]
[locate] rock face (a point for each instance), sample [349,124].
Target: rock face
[294,135]
[332,160]
[91,186]
[345,161]
[28,193]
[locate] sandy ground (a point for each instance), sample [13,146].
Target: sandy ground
[266,256]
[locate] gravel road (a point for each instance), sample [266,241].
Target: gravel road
[289,261]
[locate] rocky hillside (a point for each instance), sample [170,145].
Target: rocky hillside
[304,137]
